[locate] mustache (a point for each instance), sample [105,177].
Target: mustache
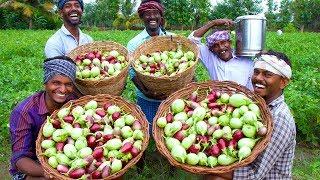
[74,11]
[225,49]
[258,82]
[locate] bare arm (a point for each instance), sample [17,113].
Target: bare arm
[29,167]
[217,22]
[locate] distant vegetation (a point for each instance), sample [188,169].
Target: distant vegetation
[121,14]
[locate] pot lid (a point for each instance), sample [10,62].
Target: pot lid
[259,17]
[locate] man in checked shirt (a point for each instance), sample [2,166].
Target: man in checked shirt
[28,116]
[272,72]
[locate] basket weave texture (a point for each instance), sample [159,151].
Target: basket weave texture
[222,86]
[101,99]
[165,85]
[112,85]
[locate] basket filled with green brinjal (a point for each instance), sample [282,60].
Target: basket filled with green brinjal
[212,127]
[165,64]
[94,137]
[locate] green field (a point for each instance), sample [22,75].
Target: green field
[22,53]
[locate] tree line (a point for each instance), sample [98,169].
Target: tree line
[290,15]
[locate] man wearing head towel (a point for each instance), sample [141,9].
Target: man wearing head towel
[69,36]
[151,12]
[217,55]
[28,116]
[272,73]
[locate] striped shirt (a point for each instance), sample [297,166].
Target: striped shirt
[275,162]
[25,122]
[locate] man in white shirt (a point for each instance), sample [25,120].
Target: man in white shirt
[217,55]
[69,36]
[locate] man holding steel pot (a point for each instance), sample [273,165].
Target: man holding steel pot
[218,57]
[272,73]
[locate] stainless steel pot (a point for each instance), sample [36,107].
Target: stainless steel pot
[250,35]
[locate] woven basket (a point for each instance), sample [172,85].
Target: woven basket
[224,86]
[165,85]
[112,85]
[101,99]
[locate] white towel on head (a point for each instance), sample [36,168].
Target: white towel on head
[273,64]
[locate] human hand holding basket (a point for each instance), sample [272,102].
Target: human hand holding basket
[146,92]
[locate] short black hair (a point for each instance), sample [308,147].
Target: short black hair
[279,55]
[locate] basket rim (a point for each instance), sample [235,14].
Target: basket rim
[93,45]
[138,114]
[153,39]
[158,132]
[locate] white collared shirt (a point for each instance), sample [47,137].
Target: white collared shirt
[237,69]
[62,42]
